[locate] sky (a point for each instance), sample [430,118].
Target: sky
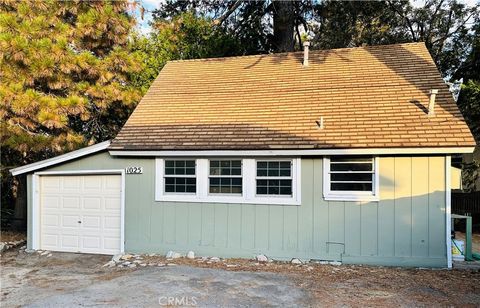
[150,5]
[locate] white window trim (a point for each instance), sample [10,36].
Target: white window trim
[291,177]
[351,195]
[248,195]
[178,176]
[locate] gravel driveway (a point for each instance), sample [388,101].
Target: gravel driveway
[72,280]
[65,280]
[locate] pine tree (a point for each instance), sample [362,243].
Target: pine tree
[65,77]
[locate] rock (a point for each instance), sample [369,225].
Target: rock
[2,247]
[169,254]
[126,257]
[45,253]
[143,264]
[296,261]
[171,264]
[132,265]
[116,258]
[29,250]
[161,264]
[152,255]
[191,255]
[336,263]
[323,262]
[127,263]
[215,259]
[23,247]
[232,265]
[109,264]
[262,258]
[176,255]
[49,255]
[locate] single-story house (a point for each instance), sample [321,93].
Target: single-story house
[339,154]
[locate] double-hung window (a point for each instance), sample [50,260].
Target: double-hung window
[180,176]
[351,178]
[225,177]
[246,180]
[274,178]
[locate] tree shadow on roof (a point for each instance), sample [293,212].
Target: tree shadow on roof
[212,136]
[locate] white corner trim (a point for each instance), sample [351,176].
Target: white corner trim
[61,158]
[248,182]
[296,153]
[351,196]
[448,209]
[36,211]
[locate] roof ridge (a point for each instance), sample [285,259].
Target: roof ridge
[293,52]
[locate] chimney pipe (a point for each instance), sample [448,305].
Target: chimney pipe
[306,46]
[431,103]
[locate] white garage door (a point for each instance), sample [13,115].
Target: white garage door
[80,213]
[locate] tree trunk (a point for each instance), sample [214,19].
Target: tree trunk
[283,25]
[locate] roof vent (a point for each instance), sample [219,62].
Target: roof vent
[431,103]
[306,46]
[320,123]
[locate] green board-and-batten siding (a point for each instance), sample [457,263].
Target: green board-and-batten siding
[406,227]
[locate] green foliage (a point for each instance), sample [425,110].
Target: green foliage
[65,78]
[186,36]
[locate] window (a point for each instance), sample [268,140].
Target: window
[228,180]
[274,178]
[351,178]
[225,177]
[180,176]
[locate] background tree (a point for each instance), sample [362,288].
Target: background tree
[65,77]
[185,36]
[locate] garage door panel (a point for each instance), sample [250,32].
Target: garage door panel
[92,203]
[92,222]
[91,242]
[70,221]
[50,220]
[111,223]
[51,202]
[51,184]
[111,203]
[70,242]
[94,200]
[111,243]
[71,202]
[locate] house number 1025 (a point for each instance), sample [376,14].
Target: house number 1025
[134,170]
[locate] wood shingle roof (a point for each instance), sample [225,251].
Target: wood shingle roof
[369,97]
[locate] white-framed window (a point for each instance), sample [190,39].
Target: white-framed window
[228,180]
[225,176]
[351,178]
[180,176]
[274,178]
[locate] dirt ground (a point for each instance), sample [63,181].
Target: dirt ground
[66,279]
[10,236]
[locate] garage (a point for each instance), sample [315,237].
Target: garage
[80,213]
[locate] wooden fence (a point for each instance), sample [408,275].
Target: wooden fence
[466,203]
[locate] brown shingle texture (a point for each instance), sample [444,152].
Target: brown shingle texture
[369,97]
